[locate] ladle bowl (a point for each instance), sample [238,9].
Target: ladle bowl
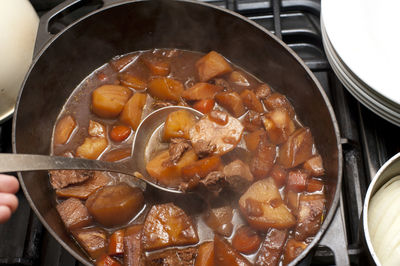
[135,166]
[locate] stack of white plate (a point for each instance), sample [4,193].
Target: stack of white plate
[362,43]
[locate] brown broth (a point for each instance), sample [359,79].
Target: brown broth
[182,69]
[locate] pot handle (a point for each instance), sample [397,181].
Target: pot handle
[43,35]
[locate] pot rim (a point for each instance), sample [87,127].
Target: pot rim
[110,4]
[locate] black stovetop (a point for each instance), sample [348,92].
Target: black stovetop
[368,141]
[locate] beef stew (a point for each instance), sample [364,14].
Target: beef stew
[253,163]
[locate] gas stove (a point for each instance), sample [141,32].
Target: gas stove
[368,141]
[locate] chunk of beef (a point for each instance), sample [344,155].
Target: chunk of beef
[272,248]
[263,160]
[203,148]
[93,240]
[133,248]
[82,191]
[177,148]
[62,178]
[252,121]
[309,218]
[297,149]
[221,82]
[293,249]
[74,214]
[173,257]
[314,165]
[276,100]
[159,104]
[214,181]
[238,176]
[207,132]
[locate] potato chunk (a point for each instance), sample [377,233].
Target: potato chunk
[278,125]
[92,147]
[108,100]
[263,207]
[297,149]
[232,102]
[226,255]
[201,91]
[132,112]
[212,65]
[223,138]
[169,174]
[167,225]
[166,89]
[178,124]
[93,240]
[65,127]
[115,205]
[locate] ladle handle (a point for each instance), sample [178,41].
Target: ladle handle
[31,162]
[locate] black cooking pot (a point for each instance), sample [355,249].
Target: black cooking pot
[120,27]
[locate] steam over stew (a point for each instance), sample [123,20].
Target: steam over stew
[257,178]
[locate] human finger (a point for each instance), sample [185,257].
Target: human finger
[10,200]
[8,184]
[5,214]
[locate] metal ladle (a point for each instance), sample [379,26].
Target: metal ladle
[137,164]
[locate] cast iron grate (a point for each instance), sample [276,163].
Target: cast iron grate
[368,141]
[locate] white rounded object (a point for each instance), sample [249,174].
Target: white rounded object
[18,28]
[364,33]
[384,222]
